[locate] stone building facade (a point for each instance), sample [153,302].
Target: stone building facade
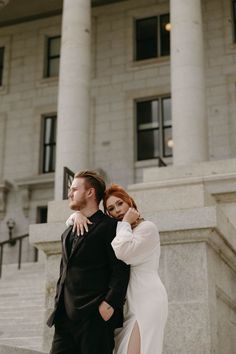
[117,81]
[116,109]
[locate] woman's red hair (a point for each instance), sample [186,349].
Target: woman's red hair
[119,192]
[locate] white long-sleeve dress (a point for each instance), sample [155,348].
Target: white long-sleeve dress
[146,300]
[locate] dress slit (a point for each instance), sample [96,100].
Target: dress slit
[134,342]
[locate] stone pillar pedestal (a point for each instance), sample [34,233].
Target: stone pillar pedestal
[198,254]
[74,91]
[187,83]
[194,209]
[47,238]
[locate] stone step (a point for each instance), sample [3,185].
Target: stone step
[23,331]
[21,301]
[9,270]
[22,320]
[6,348]
[22,305]
[20,309]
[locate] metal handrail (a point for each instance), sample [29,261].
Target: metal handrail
[12,242]
[68,177]
[161,163]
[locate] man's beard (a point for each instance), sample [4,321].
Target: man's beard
[78,204]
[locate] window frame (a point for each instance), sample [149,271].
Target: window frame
[234,19]
[40,210]
[49,57]
[160,127]
[158,37]
[2,48]
[136,39]
[44,145]
[164,127]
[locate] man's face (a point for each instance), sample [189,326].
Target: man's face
[77,194]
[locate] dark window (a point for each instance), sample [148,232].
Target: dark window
[42,215]
[53,56]
[164,35]
[234,18]
[146,38]
[49,144]
[152,37]
[1,64]
[154,129]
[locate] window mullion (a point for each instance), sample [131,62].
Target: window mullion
[50,57]
[161,136]
[158,37]
[1,64]
[234,18]
[49,144]
[151,128]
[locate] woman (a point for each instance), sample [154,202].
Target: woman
[137,243]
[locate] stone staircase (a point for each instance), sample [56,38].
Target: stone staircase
[22,305]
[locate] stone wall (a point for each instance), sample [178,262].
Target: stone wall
[117,81]
[4,349]
[24,97]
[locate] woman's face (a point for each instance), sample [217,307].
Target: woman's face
[116,207]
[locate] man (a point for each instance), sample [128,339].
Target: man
[93,282]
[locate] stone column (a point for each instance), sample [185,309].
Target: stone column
[188,83]
[74,91]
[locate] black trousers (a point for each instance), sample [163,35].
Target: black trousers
[92,335]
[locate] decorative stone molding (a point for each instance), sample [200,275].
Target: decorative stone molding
[26,185]
[4,188]
[25,197]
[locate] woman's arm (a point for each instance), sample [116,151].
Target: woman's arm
[133,245]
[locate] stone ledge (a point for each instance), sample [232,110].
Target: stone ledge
[195,218]
[58,211]
[209,236]
[5,349]
[47,237]
[215,184]
[206,169]
[208,224]
[218,178]
[155,197]
[38,181]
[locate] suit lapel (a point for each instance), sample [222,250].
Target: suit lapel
[65,235]
[80,240]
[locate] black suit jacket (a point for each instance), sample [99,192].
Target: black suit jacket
[91,273]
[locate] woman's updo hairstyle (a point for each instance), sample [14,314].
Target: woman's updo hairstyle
[119,192]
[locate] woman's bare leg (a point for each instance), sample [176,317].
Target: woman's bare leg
[134,341]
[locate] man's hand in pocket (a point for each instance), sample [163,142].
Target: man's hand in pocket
[106,311]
